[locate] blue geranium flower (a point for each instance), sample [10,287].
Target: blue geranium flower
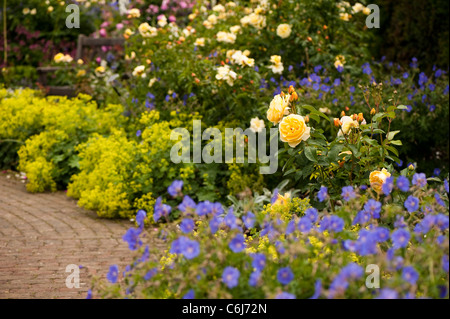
[249,220]
[409,274]
[140,217]
[189,295]
[258,261]
[412,204]
[285,295]
[187,225]
[214,223]
[254,278]
[387,293]
[400,238]
[285,275]
[237,244]
[230,277]
[373,207]
[113,274]
[190,248]
[175,188]
[204,208]
[132,238]
[186,204]
[388,186]
[322,194]
[348,193]
[403,183]
[419,179]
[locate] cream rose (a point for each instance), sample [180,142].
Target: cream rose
[347,124]
[377,179]
[278,108]
[284,30]
[293,130]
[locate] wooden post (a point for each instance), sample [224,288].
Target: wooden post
[80,47]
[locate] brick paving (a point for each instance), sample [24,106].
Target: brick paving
[40,234]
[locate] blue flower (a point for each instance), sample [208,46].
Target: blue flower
[322,194]
[160,209]
[285,275]
[304,225]
[175,188]
[254,278]
[445,263]
[381,234]
[258,261]
[231,220]
[249,220]
[216,209]
[230,277]
[352,271]
[366,69]
[89,294]
[150,274]
[132,238]
[403,183]
[187,203]
[204,208]
[113,274]
[366,243]
[285,295]
[187,225]
[140,217]
[145,255]
[442,222]
[312,214]
[388,186]
[419,179]
[190,248]
[334,224]
[400,238]
[387,293]
[348,193]
[446,185]
[412,204]
[189,295]
[290,228]
[214,224]
[138,133]
[237,244]
[317,289]
[409,274]
[362,217]
[373,207]
[439,199]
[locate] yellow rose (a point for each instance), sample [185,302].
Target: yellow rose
[293,130]
[347,124]
[377,179]
[278,108]
[59,57]
[284,31]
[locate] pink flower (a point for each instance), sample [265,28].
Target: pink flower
[103,33]
[98,60]
[119,26]
[172,19]
[104,24]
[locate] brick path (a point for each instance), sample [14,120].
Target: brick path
[40,234]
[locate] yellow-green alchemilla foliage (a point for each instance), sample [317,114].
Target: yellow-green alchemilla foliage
[47,131]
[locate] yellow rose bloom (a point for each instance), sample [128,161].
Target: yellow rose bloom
[293,130]
[59,57]
[377,179]
[347,124]
[278,108]
[284,30]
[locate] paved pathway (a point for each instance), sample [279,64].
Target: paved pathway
[40,234]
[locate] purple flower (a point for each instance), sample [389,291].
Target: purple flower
[388,186]
[187,225]
[189,295]
[387,293]
[175,188]
[445,263]
[204,208]
[442,222]
[409,274]
[332,223]
[138,133]
[348,193]
[230,277]
[352,271]
[317,289]
[446,185]
[132,238]
[304,225]
[113,274]
[89,294]
[439,199]
[187,203]
[403,183]
[412,204]
[312,214]
[419,179]
[285,275]
[190,248]
[258,261]
[160,209]
[362,217]
[140,217]
[249,220]
[149,275]
[322,194]
[290,228]
[230,219]
[214,224]
[373,207]
[285,295]
[254,278]
[216,209]
[381,234]
[400,238]
[274,196]
[237,244]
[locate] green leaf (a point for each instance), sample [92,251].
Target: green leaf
[397,142]
[310,153]
[402,107]
[391,135]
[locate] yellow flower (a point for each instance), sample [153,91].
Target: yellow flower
[347,124]
[293,130]
[282,200]
[81,73]
[200,42]
[284,30]
[278,108]
[58,58]
[377,179]
[139,71]
[256,125]
[146,30]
